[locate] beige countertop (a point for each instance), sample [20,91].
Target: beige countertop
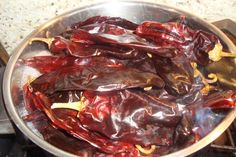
[19,18]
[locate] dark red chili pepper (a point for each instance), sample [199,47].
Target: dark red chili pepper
[106,28]
[130,116]
[46,64]
[195,44]
[70,123]
[126,40]
[63,141]
[59,45]
[95,79]
[102,43]
[56,137]
[115,108]
[113,34]
[108,20]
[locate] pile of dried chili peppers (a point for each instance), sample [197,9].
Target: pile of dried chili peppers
[124,89]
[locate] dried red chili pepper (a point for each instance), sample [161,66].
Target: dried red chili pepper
[56,137]
[195,44]
[130,116]
[95,79]
[125,40]
[108,20]
[106,29]
[46,64]
[70,123]
[60,45]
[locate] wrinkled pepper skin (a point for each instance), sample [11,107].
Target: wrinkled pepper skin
[47,64]
[195,44]
[95,79]
[56,137]
[127,40]
[68,121]
[131,116]
[177,74]
[106,29]
[61,45]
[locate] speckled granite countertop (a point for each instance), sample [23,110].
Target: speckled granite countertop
[19,18]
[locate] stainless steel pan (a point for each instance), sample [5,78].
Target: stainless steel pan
[135,11]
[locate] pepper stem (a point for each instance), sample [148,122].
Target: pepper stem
[226,54]
[206,82]
[216,53]
[48,41]
[78,106]
[213,78]
[144,150]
